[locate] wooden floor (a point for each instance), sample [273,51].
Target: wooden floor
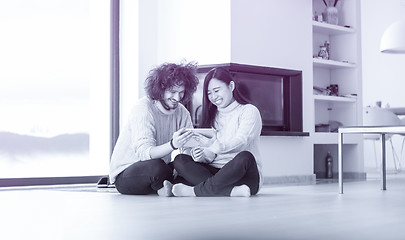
[278,212]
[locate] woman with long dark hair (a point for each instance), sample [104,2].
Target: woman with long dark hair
[230,163]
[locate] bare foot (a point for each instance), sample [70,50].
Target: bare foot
[166,190]
[182,190]
[240,191]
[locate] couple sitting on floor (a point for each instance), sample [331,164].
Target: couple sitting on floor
[226,164]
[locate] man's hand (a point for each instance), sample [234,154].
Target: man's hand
[180,137]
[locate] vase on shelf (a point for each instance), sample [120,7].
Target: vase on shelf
[331,15]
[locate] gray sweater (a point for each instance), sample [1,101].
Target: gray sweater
[147,127]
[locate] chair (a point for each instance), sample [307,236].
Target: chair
[375,116]
[403,141]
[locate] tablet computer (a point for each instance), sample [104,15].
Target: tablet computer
[207,132]
[193,142]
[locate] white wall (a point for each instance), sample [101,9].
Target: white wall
[194,30]
[383,74]
[273,33]
[182,30]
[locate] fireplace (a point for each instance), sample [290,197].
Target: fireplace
[277,93]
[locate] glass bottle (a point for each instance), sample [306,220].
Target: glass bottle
[329,165]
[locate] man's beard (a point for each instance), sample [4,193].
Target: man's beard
[167,107]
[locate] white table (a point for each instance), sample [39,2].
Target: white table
[382,131]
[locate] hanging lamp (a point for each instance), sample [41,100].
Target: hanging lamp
[393,39]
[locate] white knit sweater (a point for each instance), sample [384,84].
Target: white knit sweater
[147,126]
[238,129]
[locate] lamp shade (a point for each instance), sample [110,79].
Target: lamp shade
[393,39]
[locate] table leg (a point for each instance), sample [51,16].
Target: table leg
[340,162]
[383,164]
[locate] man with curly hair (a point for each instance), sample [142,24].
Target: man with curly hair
[156,126]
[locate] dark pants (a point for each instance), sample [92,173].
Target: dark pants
[144,177]
[211,181]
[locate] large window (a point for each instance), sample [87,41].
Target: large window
[54,88]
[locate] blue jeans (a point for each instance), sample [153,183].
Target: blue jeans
[145,177]
[210,181]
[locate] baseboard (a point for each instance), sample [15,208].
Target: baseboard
[346,175]
[311,179]
[291,179]
[13,182]
[354,175]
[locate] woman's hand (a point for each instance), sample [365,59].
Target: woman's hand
[202,155]
[180,137]
[209,155]
[197,154]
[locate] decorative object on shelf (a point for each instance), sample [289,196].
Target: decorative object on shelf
[331,126]
[320,91]
[333,90]
[334,125]
[320,18]
[322,127]
[317,17]
[323,53]
[327,45]
[331,13]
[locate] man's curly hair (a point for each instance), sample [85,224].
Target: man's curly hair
[169,75]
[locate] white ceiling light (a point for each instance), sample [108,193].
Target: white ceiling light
[393,39]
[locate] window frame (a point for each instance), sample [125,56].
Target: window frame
[114,112]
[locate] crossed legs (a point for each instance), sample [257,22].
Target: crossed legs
[146,177]
[239,177]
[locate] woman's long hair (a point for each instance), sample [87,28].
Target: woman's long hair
[209,110]
[168,75]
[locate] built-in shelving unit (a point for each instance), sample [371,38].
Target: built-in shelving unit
[342,68]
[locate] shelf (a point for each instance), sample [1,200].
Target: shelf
[334,98]
[329,29]
[332,64]
[332,138]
